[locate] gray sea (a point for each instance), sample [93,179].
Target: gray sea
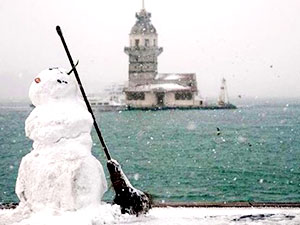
[179,156]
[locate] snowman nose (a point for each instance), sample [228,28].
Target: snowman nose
[37,80]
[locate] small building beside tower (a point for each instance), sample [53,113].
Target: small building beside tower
[146,87]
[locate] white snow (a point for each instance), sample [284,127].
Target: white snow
[50,89]
[109,215]
[218,216]
[175,76]
[164,87]
[60,174]
[172,76]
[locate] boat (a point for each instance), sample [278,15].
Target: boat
[111,99]
[109,104]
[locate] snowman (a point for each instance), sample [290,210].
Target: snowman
[60,172]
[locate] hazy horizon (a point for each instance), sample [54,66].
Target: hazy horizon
[253,44]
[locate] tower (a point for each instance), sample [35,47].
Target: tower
[147,88]
[143,50]
[223,96]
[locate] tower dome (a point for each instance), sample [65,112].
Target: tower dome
[143,24]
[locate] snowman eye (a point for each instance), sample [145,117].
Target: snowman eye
[59,81]
[65,82]
[37,80]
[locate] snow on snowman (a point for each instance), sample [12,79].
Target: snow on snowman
[60,172]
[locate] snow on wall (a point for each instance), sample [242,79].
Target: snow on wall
[161,87]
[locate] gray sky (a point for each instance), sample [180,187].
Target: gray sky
[254,44]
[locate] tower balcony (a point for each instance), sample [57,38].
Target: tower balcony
[138,50]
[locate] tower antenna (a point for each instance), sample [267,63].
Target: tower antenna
[143,4]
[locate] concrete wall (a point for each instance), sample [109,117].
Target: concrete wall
[170,101]
[150,101]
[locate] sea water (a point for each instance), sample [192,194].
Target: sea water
[179,155]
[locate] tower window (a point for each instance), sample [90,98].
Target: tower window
[154,42]
[147,42]
[183,96]
[137,42]
[136,96]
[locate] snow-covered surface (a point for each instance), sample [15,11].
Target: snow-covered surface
[218,216]
[107,214]
[174,76]
[60,174]
[161,87]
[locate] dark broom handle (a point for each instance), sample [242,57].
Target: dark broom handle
[106,151]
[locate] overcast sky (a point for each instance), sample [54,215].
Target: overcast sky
[254,44]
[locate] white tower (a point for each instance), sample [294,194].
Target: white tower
[223,96]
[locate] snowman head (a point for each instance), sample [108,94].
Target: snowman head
[53,84]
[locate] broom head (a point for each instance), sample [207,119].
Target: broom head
[130,199]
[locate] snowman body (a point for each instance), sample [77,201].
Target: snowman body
[60,172]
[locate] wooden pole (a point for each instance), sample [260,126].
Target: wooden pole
[106,151]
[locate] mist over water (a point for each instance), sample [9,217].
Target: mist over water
[253,44]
